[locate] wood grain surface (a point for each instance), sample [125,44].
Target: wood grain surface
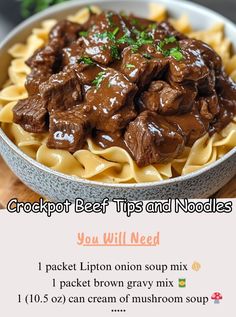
[12,187]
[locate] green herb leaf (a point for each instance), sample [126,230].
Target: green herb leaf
[153,26]
[176,53]
[115,52]
[109,35]
[86,60]
[98,80]
[83,33]
[135,21]
[116,31]
[143,38]
[125,39]
[130,66]
[147,55]
[109,16]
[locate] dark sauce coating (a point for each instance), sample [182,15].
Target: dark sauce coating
[129,82]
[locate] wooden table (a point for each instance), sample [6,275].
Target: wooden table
[11,186]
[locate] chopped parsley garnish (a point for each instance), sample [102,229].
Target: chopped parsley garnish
[135,21]
[98,80]
[162,44]
[116,31]
[152,26]
[125,39]
[147,55]
[130,66]
[83,33]
[142,39]
[109,16]
[86,60]
[115,52]
[110,35]
[175,52]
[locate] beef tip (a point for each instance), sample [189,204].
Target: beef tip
[87,73]
[191,124]
[209,107]
[226,90]
[111,100]
[139,69]
[64,33]
[42,65]
[206,86]
[166,99]
[62,91]
[31,114]
[189,93]
[160,32]
[169,30]
[43,57]
[191,67]
[151,139]
[101,43]
[141,24]
[34,79]
[209,55]
[118,120]
[161,97]
[73,53]
[68,130]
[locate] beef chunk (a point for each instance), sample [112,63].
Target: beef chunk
[169,30]
[87,73]
[209,55]
[209,107]
[151,139]
[140,69]
[206,86]
[112,101]
[73,53]
[62,91]
[65,32]
[34,79]
[140,24]
[42,65]
[101,44]
[68,130]
[191,67]
[161,97]
[43,57]
[226,88]
[31,114]
[191,124]
[167,99]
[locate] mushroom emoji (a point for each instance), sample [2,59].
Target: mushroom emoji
[217,297]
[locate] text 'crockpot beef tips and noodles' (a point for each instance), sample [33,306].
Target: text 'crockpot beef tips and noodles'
[119,98]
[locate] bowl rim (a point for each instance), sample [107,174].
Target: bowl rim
[75,4]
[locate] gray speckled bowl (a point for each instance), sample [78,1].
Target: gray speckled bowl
[57,186]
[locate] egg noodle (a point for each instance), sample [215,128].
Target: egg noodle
[112,165]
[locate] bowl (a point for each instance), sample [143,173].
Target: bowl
[57,186]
